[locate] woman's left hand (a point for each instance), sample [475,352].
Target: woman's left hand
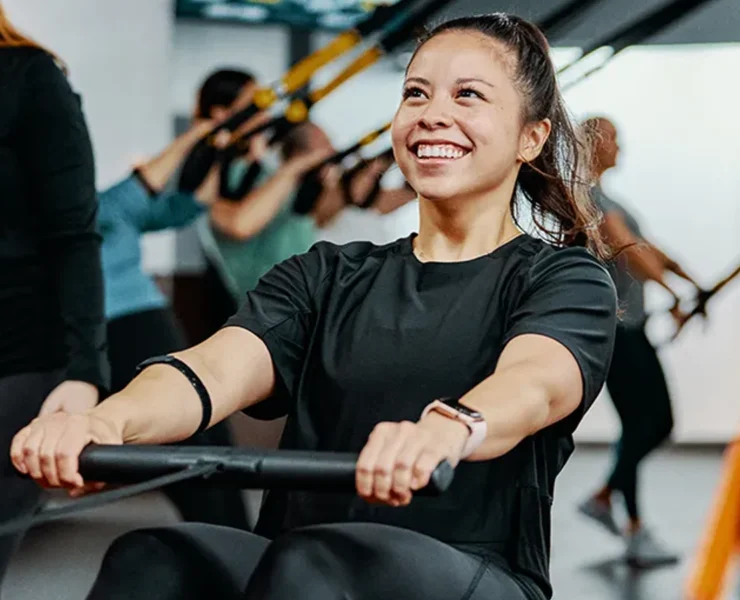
[399,458]
[73,397]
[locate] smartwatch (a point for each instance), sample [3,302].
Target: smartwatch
[450,407]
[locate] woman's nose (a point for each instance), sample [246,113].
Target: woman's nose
[436,115]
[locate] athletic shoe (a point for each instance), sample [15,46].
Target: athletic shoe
[601,513]
[645,551]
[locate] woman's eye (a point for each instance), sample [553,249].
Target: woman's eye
[413,92]
[469,93]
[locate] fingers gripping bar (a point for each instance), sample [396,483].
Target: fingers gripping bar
[146,468]
[239,467]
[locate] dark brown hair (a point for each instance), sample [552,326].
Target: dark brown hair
[298,140]
[556,183]
[221,88]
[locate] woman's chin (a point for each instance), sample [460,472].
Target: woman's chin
[436,193]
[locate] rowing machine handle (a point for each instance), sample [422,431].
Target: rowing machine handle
[245,468]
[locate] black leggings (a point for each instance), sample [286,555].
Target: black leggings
[362,561]
[21,397]
[638,388]
[136,337]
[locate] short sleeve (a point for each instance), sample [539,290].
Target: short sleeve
[570,298]
[281,311]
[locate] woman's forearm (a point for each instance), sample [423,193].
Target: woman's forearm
[161,406]
[160,169]
[515,404]
[647,266]
[672,266]
[244,219]
[158,407]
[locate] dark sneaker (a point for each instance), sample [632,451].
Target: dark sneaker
[644,550]
[601,513]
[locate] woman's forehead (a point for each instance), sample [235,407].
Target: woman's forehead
[463,53]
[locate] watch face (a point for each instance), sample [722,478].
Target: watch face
[453,403]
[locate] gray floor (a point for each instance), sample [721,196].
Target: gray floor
[58,561]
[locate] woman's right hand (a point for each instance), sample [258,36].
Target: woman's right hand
[48,448]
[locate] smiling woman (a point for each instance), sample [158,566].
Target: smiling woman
[481,91]
[469,341]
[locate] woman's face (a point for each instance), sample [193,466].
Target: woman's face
[458,130]
[607,150]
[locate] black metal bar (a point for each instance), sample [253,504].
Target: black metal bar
[299,47]
[562,18]
[244,468]
[638,31]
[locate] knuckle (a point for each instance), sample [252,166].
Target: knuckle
[363,470]
[382,471]
[403,464]
[407,426]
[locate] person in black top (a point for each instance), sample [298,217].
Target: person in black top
[52,327]
[469,341]
[636,382]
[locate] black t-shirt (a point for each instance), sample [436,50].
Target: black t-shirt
[360,334]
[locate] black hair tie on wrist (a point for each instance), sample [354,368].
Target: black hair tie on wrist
[205,398]
[139,174]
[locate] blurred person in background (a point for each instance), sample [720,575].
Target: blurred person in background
[141,323]
[52,326]
[250,236]
[636,381]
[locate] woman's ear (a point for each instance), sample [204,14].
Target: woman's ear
[533,138]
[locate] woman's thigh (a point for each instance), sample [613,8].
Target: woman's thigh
[180,562]
[365,561]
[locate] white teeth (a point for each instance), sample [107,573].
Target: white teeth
[439,151]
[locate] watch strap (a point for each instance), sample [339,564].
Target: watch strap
[477,426]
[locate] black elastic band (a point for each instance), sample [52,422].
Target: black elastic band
[137,172]
[205,398]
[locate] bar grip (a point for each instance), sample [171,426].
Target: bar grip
[238,467]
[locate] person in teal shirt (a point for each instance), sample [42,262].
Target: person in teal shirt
[249,237]
[141,323]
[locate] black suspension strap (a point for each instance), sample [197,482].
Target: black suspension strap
[102,498]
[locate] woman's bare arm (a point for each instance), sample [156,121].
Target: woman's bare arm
[644,263]
[243,219]
[160,406]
